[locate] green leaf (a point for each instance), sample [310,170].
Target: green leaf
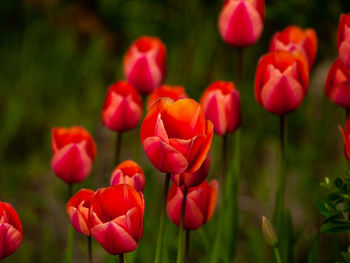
[336,226]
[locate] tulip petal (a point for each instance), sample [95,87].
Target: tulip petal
[163,156]
[79,222]
[10,240]
[113,238]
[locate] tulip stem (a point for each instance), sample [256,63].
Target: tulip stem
[239,68]
[162,217]
[282,177]
[118,144]
[187,246]
[181,228]
[89,248]
[70,191]
[347,112]
[277,254]
[121,258]
[70,233]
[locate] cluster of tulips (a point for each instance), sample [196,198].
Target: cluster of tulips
[176,134]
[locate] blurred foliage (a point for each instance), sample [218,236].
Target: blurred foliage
[58,58]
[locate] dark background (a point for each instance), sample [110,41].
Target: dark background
[57,59]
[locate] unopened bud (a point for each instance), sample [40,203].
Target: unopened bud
[269,232]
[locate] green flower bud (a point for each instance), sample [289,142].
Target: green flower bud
[269,232]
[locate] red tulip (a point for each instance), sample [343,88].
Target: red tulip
[78,210]
[116,217]
[176,136]
[74,151]
[337,86]
[241,22]
[193,179]
[343,39]
[294,38]
[173,92]
[281,81]
[144,63]
[200,204]
[346,137]
[122,109]
[221,104]
[11,232]
[129,172]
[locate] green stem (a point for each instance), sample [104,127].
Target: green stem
[70,233]
[121,258]
[181,228]
[70,191]
[347,113]
[239,69]
[282,176]
[89,248]
[118,144]
[277,254]
[187,246]
[162,217]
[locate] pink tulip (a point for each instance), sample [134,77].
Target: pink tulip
[11,232]
[343,39]
[241,22]
[78,210]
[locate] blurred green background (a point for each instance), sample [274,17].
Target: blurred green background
[58,58]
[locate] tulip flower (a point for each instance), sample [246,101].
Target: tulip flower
[176,136]
[281,81]
[122,109]
[144,64]
[173,92]
[74,152]
[241,22]
[129,172]
[11,232]
[200,204]
[294,38]
[346,137]
[337,87]
[78,210]
[343,39]
[221,104]
[193,179]
[116,217]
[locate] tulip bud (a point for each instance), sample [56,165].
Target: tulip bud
[74,152]
[176,136]
[11,232]
[343,39]
[116,218]
[129,172]
[294,38]
[269,232]
[144,64]
[241,22]
[200,204]
[193,179]
[173,92]
[346,137]
[122,109]
[281,81]
[78,211]
[337,87]
[222,106]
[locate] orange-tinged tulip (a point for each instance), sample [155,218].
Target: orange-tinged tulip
[116,218]
[11,232]
[129,172]
[222,105]
[122,109]
[343,39]
[176,136]
[241,22]
[173,92]
[78,211]
[200,204]
[346,137]
[281,81]
[294,38]
[145,63]
[193,179]
[74,152]
[337,87]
